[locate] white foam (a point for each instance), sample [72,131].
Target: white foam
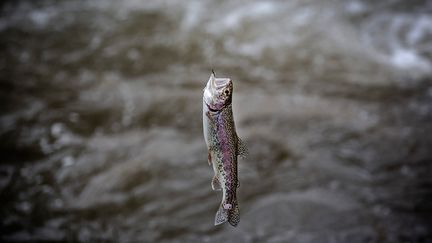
[404,58]
[403,41]
[421,31]
[193,15]
[40,18]
[254,10]
[355,7]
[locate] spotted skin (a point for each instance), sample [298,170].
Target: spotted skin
[223,148]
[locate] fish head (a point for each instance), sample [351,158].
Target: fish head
[218,92]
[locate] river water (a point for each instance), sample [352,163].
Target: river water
[101,131]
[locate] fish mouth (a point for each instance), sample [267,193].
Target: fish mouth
[214,84]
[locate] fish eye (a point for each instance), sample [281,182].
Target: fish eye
[227,92]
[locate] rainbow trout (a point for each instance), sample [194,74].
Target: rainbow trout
[223,146]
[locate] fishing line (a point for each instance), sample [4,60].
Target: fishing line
[209,50]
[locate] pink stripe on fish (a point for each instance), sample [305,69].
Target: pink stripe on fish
[224,142]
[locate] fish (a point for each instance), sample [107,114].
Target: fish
[223,145]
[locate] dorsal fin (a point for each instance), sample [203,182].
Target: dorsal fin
[242,150]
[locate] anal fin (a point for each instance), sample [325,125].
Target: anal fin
[221,215]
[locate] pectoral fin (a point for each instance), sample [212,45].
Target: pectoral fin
[216,184]
[242,150]
[209,158]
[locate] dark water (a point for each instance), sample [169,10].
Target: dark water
[100,125]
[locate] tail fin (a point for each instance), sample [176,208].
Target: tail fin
[221,215]
[234,214]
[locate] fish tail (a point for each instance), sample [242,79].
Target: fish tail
[228,212]
[234,214]
[221,215]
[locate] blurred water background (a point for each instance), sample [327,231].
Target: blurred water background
[101,131]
